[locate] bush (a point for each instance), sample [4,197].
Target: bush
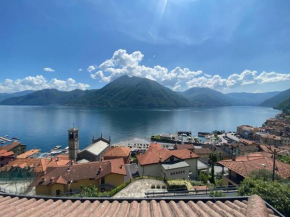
[275,193]
[285,159]
[264,174]
[216,194]
[196,183]
[179,184]
[89,191]
[203,178]
[163,187]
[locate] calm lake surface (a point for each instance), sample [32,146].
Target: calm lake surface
[46,127]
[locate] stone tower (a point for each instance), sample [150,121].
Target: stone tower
[73,143]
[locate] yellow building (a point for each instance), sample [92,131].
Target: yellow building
[60,180]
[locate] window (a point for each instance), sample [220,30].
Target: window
[102,181]
[171,158]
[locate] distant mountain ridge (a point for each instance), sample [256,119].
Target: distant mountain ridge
[276,100]
[4,96]
[138,92]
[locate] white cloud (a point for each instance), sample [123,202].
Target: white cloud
[91,68]
[257,91]
[179,78]
[80,70]
[47,69]
[38,83]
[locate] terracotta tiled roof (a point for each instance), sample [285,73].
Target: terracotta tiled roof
[25,206]
[180,147]
[117,152]
[201,151]
[28,153]
[75,172]
[4,153]
[39,165]
[10,146]
[244,165]
[155,155]
[157,146]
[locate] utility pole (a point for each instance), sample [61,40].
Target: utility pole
[274,165]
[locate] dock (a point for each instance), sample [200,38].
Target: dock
[4,139]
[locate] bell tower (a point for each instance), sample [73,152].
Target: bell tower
[73,143]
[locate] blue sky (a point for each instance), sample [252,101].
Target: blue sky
[222,44]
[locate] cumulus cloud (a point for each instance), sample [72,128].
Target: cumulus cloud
[123,63]
[80,70]
[38,83]
[91,68]
[47,69]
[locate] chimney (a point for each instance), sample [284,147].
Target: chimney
[121,166]
[234,157]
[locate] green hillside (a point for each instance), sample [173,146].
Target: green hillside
[277,100]
[45,97]
[207,97]
[284,105]
[4,96]
[133,92]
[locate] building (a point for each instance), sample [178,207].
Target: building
[268,139]
[73,143]
[285,141]
[17,148]
[60,180]
[254,205]
[95,151]
[246,131]
[5,157]
[168,164]
[203,152]
[241,167]
[118,152]
[180,147]
[33,153]
[238,149]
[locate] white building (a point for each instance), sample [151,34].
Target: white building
[173,164]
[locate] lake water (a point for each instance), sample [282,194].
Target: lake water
[46,127]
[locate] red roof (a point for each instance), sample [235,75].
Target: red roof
[155,155]
[244,165]
[28,153]
[117,152]
[4,153]
[10,146]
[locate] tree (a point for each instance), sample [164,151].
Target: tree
[275,193]
[265,175]
[89,191]
[213,160]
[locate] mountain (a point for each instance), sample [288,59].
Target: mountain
[207,97]
[284,105]
[251,98]
[133,92]
[45,97]
[276,100]
[4,96]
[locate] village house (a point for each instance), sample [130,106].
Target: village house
[30,168]
[203,152]
[168,164]
[246,131]
[33,153]
[182,146]
[268,139]
[118,152]
[241,167]
[60,180]
[17,148]
[5,157]
[238,149]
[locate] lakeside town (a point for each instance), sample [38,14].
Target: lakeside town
[164,166]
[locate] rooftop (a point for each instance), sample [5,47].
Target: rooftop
[75,172]
[180,147]
[244,165]
[155,155]
[117,152]
[44,206]
[29,153]
[4,153]
[97,147]
[175,165]
[10,146]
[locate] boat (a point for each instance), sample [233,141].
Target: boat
[57,147]
[15,138]
[66,148]
[203,134]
